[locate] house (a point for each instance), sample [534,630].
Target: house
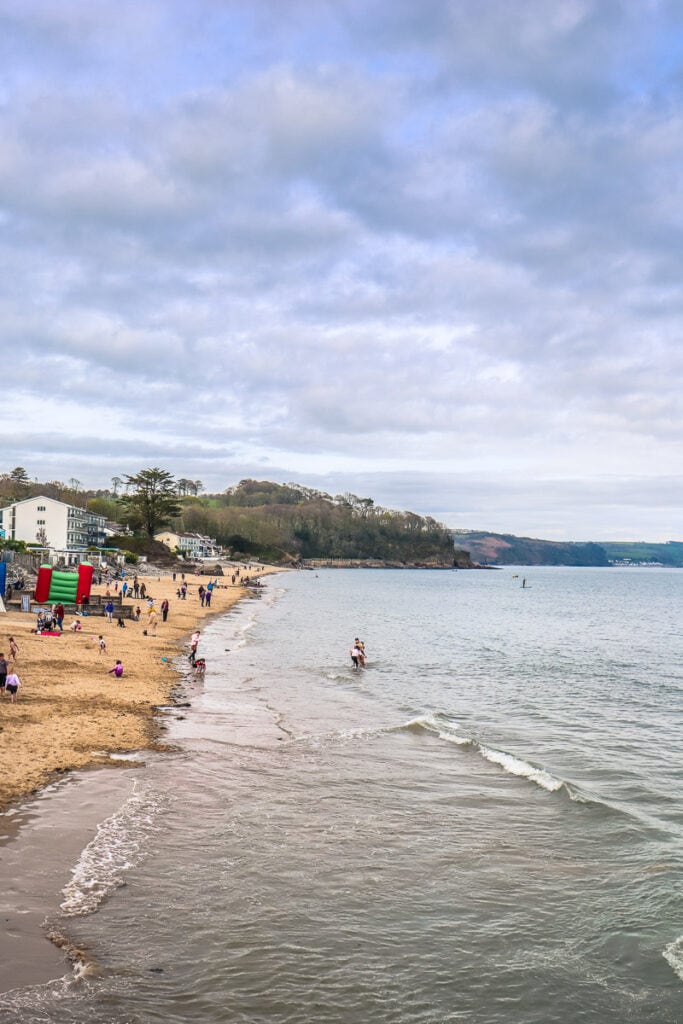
[52,523]
[191,545]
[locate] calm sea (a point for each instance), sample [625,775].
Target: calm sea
[484,825]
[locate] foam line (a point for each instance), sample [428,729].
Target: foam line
[673,954]
[118,845]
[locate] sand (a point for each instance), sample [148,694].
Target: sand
[70,712]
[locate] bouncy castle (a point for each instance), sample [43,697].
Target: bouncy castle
[55,586]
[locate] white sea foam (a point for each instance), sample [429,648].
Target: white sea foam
[119,845]
[673,954]
[516,766]
[445,730]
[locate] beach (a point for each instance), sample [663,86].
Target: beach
[70,712]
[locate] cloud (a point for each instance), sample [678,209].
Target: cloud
[407,245]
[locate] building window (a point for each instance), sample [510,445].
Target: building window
[40,522]
[40,508]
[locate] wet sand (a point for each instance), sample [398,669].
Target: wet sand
[71,714]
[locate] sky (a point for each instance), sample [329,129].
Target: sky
[427,252]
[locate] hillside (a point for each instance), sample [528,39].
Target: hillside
[506,549]
[642,553]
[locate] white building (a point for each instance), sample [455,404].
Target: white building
[191,545]
[52,523]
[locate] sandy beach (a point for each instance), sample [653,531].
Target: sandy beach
[70,712]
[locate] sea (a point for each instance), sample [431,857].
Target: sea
[482,825]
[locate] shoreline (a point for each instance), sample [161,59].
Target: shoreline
[55,806]
[70,713]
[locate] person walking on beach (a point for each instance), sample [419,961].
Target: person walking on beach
[124,589]
[59,616]
[152,620]
[164,609]
[4,669]
[183,591]
[207,598]
[13,649]
[102,644]
[138,613]
[109,609]
[136,588]
[117,670]
[12,685]
[201,593]
[143,591]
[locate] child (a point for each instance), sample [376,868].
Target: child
[117,670]
[76,626]
[200,666]
[102,644]
[13,649]
[12,685]
[120,623]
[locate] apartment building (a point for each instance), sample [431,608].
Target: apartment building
[52,523]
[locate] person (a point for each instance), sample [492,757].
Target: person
[13,649]
[152,620]
[143,591]
[174,576]
[124,589]
[117,670]
[232,579]
[201,592]
[200,666]
[76,626]
[4,669]
[109,609]
[102,643]
[136,588]
[355,653]
[178,594]
[12,685]
[59,616]
[120,623]
[194,640]
[84,602]
[183,590]
[138,613]
[164,609]
[207,598]
[361,647]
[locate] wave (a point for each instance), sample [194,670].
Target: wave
[673,954]
[449,731]
[119,844]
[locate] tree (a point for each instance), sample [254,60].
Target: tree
[74,484]
[151,500]
[116,483]
[19,479]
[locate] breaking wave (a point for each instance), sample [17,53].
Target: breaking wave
[449,731]
[118,845]
[673,954]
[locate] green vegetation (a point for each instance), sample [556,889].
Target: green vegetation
[669,554]
[152,502]
[506,549]
[273,521]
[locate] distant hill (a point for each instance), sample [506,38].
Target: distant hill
[641,553]
[506,549]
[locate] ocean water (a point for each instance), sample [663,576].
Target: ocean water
[484,825]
